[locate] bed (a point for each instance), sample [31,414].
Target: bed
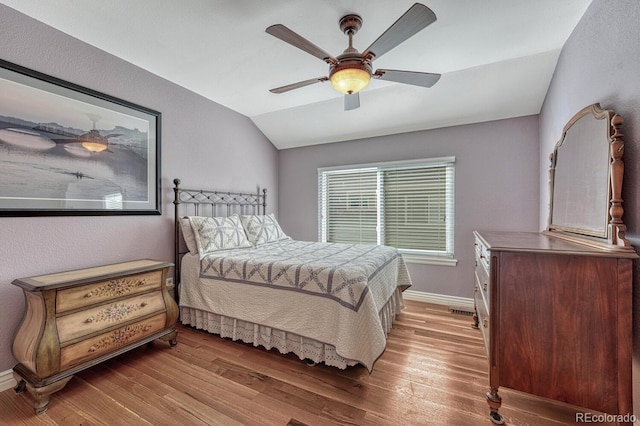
[238,275]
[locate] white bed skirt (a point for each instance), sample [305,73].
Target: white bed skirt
[268,337]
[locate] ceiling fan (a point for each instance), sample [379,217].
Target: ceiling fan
[351,71]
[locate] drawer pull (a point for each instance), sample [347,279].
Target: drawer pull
[143,304]
[90,320]
[92,349]
[485,323]
[484,286]
[88,294]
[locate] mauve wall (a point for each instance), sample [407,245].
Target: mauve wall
[203,143]
[601,63]
[496,184]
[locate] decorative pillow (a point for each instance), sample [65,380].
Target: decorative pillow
[262,229]
[187,234]
[218,233]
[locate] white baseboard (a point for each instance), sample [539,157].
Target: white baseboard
[438,299]
[6,380]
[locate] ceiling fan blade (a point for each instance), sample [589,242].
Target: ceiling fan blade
[423,79]
[413,21]
[298,85]
[296,40]
[351,101]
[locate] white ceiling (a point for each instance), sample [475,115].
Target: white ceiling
[496,57]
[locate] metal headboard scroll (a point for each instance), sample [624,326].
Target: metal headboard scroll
[200,202]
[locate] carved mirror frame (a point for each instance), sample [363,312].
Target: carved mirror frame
[585,179]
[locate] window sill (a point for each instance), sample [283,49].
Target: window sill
[423,259]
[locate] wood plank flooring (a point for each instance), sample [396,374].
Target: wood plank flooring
[433,372]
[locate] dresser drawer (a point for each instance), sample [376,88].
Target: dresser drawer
[482,254]
[483,318]
[100,292]
[482,281]
[111,341]
[108,315]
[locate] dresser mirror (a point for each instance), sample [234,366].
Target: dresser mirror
[586,181]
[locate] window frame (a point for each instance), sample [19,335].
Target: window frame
[446,258]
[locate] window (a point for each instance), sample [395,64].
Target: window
[407,205]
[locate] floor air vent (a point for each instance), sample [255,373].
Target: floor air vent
[461,311]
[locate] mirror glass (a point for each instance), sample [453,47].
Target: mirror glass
[580,187]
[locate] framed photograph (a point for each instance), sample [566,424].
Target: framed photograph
[69,150]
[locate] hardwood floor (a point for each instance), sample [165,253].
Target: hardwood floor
[433,372]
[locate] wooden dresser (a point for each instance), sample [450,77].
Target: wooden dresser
[76,319]
[556,319]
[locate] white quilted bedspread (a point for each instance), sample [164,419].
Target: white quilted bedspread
[328,292]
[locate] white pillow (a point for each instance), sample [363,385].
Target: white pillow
[218,233]
[187,234]
[262,229]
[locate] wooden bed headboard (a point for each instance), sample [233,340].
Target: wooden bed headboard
[201,202]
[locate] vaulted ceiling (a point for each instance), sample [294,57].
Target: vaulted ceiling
[496,57]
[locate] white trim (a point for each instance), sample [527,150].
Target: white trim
[438,299]
[428,260]
[425,161]
[7,381]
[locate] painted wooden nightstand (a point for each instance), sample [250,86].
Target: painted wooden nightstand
[76,319]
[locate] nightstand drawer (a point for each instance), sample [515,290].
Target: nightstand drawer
[100,292]
[109,342]
[105,316]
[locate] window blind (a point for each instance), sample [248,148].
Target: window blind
[416,202]
[350,206]
[405,205]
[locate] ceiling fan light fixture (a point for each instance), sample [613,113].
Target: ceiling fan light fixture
[350,80]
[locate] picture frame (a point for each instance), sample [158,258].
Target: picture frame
[70,150]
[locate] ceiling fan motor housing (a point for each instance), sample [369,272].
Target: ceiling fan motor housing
[350,24]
